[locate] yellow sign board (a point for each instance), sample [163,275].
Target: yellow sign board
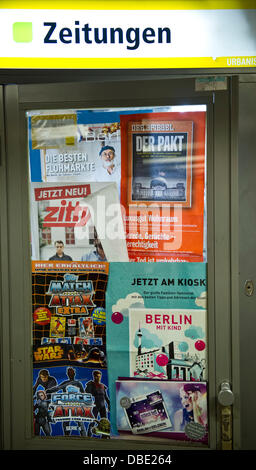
[184,35]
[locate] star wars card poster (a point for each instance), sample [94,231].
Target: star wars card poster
[76,222]
[162,409]
[163,185]
[70,382]
[70,400]
[179,290]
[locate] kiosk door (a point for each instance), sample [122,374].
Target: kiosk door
[118,313]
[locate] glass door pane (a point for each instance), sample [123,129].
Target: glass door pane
[118,241]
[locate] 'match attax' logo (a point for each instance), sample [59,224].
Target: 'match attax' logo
[71,296]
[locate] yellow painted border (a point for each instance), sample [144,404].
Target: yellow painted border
[128,4]
[126,63]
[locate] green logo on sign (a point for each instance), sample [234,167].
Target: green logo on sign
[22,32]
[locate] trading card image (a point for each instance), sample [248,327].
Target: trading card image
[71,326]
[56,341]
[86,327]
[57,327]
[90,341]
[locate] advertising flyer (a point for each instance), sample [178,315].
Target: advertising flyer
[70,384]
[70,400]
[175,297]
[163,185]
[162,409]
[162,343]
[70,149]
[76,222]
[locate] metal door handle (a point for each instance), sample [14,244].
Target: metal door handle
[225,395]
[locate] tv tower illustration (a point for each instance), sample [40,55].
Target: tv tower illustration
[139,334]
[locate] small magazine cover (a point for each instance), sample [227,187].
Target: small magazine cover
[160,160]
[76,222]
[162,409]
[163,185]
[168,343]
[66,147]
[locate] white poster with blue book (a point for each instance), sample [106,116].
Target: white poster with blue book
[157,350]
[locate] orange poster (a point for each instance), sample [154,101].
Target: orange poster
[163,185]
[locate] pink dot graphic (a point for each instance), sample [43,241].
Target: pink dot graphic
[200,345]
[162,360]
[117,318]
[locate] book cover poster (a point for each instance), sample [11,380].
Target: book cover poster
[168,343]
[161,165]
[76,222]
[163,185]
[139,286]
[169,410]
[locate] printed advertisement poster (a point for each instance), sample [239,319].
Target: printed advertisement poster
[71,401]
[162,343]
[76,222]
[70,386]
[70,149]
[169,410]
[163,185]
[69,303]
[76,145]
[175,297]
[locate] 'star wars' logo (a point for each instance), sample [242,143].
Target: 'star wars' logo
[71,296]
